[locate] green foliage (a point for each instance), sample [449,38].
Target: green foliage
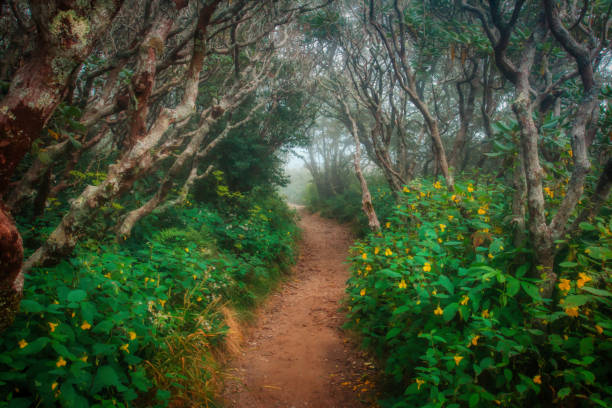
[114,324]
[454,308]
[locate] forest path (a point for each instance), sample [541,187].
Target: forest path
[297,355]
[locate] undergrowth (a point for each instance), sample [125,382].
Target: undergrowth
[146,322]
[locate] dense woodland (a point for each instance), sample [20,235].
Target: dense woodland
[141,151]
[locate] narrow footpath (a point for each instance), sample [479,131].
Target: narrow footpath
[297,355]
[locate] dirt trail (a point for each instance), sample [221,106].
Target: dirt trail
[297,355]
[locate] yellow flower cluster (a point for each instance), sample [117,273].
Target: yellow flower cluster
[565,285]
[402,284]
[388,252]
[465,299]
[427,267]
[584,278]
[438,311]
[437,185]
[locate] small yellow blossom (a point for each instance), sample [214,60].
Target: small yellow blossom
[52,326]
[423,194]
[537,379]
[418,302]
[126,348]
[450,217]
[587,251]
[362,292]
[107,275]
[584,278]
[54,386]
[85,325]
[402,284]
[434,292]
[60,362]
[482,211]
[465,299]
[419,383]
[470,189]
[437,185]
[442,227]
[22,343]
[368,268]
[599,329]
[376,250]
[364,256]
[187,250]
[491,256]
[162,302]
[195,277]
[549,192]
[406,190]
[457,359]
[565,285]
[440,240]
[388,225]
[388,252]
[475,340]
[459,237]
[199,299]
[427,267]
[84,358]
[132,335]
[438,311]
[485,313]
[571,311]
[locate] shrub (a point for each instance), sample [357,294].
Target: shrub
[453,307]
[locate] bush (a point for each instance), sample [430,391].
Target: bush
[139,323]
[454,309]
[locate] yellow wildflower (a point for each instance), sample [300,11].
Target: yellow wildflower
[537,379]
[427,267]
[450,217]
[465,299]
[54,386]
[482,211]
[565,285]
[470,189]
[187,250]
[126,348]
[199,299]
[587,251]
[195,277]
[442,227]
[364,256]
[437,185]
[162,302]
[368,268]
[460,236]
[388,252]
[475,340]
[107,275]
[485,313]
[599,329]
[549,192]
[22,343]
[571,311]
[440,240]
[438,311]
[434,292]
[60,362]
[362,292]
[85,325]
[84,358]
[584,278]
[402,284]
[491,256]
[457,359]
[376,250]
[388,225]
[419,383]
[132,335]
[423,194]
[52,326]
[406,190]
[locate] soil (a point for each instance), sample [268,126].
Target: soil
[297,355]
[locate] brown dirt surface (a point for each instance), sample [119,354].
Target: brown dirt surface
[297,355]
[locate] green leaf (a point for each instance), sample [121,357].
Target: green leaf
[568,264]
[447,284]
[586,346]
[393,333]
[513,286]
[576,300]
[474,398]
[31,306]
[586,226]
[105,377]
[598,292]
[35,346]
[76,295]
[532,290]
[450,311]
[563,392]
